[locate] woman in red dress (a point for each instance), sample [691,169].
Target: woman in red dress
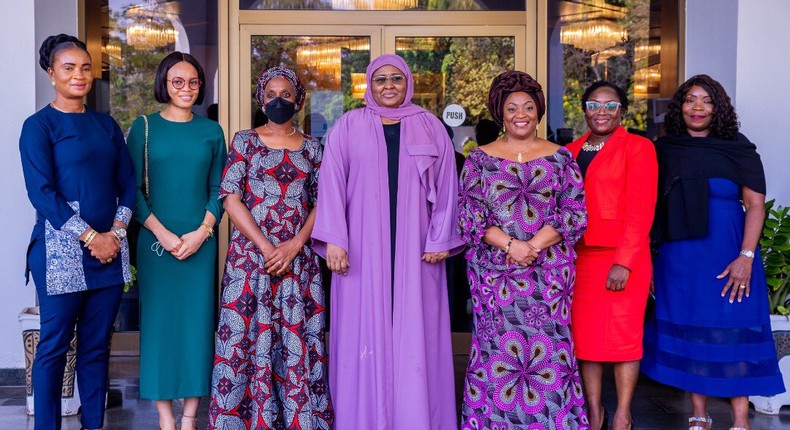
[613,269]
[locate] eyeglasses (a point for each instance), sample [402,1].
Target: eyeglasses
[609,107]
[394,79]
[179,83]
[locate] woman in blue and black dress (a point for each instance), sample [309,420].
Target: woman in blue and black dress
[80,180]
[710,334]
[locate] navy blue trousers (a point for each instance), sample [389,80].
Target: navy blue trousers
[93,312]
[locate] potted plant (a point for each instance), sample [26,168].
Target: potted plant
[775,251]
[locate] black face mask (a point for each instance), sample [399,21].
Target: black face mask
[279,110]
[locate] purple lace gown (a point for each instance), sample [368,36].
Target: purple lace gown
[522,373]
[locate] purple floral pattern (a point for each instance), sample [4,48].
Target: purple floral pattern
[522,373]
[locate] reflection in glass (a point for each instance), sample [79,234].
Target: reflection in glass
[481,5]
[619,41]
[135,36]
[456,70]
[332,69]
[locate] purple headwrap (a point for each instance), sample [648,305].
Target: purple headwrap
[406,108]
[280,72]
[508,83]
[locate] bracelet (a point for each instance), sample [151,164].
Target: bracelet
[89,238]
[746,253]
[208,229]
[507,247]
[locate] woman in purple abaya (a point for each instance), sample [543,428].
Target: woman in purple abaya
[521,210]
[385,223]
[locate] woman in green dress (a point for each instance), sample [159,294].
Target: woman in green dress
[178,159]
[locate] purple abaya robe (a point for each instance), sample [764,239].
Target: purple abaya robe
[390,359]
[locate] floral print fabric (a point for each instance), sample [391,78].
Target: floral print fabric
[522,373]
[270,363]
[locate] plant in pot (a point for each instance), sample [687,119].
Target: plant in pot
[775,251]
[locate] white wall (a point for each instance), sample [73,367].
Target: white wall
[20,69]
[743,45]
[26,24]
[712,41]
[763,92]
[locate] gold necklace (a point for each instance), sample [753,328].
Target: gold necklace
[280,134]
[589,147]
[519,154]
[65,111]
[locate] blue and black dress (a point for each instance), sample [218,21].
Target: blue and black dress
[697,340]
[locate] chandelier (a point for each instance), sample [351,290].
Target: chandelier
[593,35]
[113,51]
[326,57]
[374,4]
[150,28]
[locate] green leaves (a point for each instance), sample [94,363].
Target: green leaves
[775,249]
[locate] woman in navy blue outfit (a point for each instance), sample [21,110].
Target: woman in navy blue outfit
[80,180]
[710,334]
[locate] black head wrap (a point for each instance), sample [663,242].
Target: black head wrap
[508,83]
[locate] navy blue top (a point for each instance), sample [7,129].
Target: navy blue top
[78,174]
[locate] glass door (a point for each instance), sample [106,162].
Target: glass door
[330,61]
[454,65]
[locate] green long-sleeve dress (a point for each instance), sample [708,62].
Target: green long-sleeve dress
[185,162]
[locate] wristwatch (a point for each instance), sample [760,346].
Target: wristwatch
[119,232]
[747,253]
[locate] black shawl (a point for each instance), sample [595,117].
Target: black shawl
[685,164]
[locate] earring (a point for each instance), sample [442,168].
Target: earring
[53,83]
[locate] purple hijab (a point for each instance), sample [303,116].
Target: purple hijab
[407,108]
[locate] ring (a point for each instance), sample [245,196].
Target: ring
[109,260]
[743,287]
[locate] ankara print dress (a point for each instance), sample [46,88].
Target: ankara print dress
[522,373]
[270,362]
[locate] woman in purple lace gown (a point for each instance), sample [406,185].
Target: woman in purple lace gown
[521,211]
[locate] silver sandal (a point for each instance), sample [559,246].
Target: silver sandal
[707,420]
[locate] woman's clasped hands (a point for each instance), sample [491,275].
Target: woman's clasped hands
[104,246]
[279,258]
[522,253]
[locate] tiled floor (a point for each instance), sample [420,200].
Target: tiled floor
[655,406]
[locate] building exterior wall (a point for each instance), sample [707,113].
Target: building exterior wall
[763,68]
[19,95]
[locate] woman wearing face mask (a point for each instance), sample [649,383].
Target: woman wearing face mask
[270,362]
[178,160]
[80,180]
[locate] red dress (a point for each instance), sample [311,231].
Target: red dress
[620,187]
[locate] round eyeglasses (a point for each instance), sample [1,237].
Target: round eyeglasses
[179,83]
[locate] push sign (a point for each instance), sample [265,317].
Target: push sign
[454,115]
